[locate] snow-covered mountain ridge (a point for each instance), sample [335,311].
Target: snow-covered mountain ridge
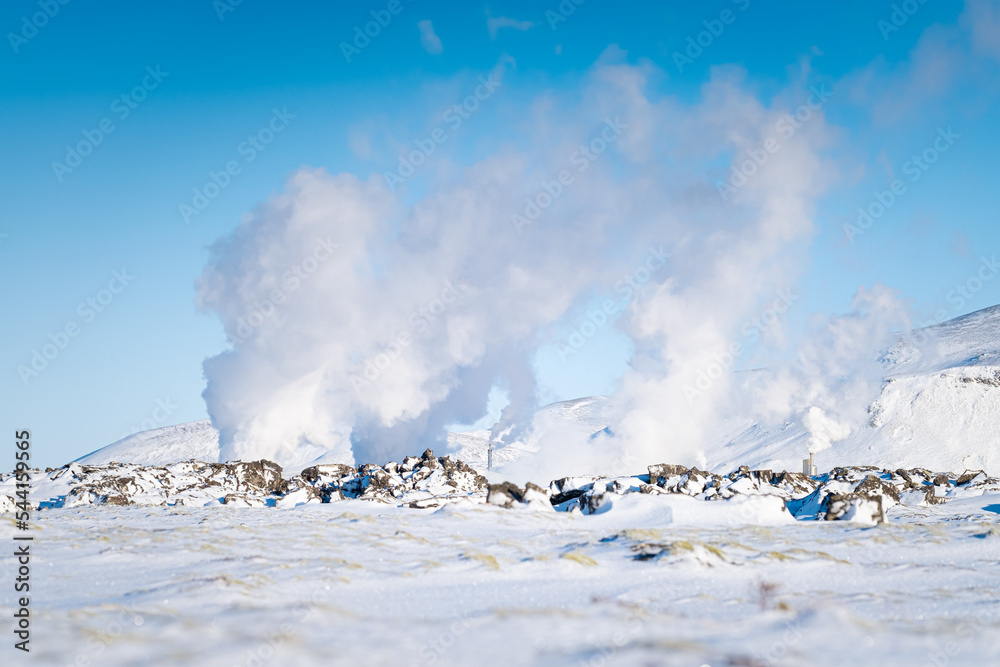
[939,409]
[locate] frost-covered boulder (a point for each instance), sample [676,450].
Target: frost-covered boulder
[504,494]
[855,507]
[855,493]
[7,504]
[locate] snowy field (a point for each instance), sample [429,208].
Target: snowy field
[658,580]
[159,559]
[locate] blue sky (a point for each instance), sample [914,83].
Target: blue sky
[221,78]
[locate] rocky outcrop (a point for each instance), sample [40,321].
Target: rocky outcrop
[504,494]
[857,493]
[427,481]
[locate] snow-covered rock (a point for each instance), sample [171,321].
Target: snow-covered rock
[425,481]
[862,493]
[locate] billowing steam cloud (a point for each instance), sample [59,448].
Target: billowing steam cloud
[361,327]
[838,371]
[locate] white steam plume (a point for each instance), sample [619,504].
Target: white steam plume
[839,369]
[404,318]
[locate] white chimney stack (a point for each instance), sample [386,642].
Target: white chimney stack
[808,467]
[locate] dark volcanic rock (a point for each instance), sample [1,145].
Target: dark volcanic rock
[856,507]
[260,475]
[859,493]
[665,471]
[504,494]
[872,487]
[334,470]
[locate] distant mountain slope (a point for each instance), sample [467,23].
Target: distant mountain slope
[939,409]
[591,412]
[587,415]
[160,446]
[195,440]
[200,441]
[970,340]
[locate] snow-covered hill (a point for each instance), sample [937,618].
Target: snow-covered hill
[160,446]
[586,416]
[939,409]
[200,441]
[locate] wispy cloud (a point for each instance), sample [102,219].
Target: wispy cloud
[982,18]
[429,39]
[494,24]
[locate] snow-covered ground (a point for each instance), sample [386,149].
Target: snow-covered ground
[421,563]
[661,580]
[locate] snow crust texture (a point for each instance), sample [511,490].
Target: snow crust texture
[661,579]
